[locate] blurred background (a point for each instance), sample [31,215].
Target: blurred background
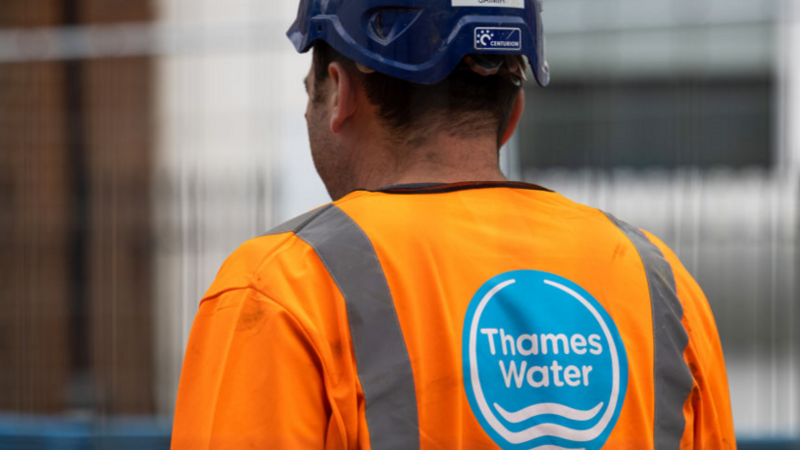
[142,141]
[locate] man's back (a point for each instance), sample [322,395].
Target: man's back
[476,315]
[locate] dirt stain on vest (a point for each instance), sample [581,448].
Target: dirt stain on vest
[619,252]
[251,315]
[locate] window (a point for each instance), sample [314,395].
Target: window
[650,124]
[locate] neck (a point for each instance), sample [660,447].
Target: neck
[441,159]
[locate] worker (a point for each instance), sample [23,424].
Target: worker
[434,304]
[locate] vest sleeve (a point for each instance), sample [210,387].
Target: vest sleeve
[709,419]
[251,378]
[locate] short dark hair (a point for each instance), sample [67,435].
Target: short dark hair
[461,104]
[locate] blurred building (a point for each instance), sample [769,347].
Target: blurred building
[76,149]
[677,117]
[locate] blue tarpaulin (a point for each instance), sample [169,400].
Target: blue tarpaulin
[147,433]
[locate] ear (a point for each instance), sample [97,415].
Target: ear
[344,98]
[516,114]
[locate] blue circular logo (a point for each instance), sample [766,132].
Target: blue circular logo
[544,364]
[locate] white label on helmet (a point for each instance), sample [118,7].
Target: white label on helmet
[498,38]
[491,3]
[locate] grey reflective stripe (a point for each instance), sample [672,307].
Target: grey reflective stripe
[672,378]
[298,222]
[382,360]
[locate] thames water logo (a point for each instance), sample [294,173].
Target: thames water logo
[544,364]
[498,38]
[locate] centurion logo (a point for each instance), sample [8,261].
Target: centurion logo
[498,38]
[544,364]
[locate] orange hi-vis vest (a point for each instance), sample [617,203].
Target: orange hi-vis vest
[465,316]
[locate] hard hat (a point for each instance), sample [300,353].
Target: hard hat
[422,41]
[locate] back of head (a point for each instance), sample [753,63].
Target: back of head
[464,104]
[430,66]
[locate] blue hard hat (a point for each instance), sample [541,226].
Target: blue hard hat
[422,41]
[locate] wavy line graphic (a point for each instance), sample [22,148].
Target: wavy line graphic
[549,408]
[555,447]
